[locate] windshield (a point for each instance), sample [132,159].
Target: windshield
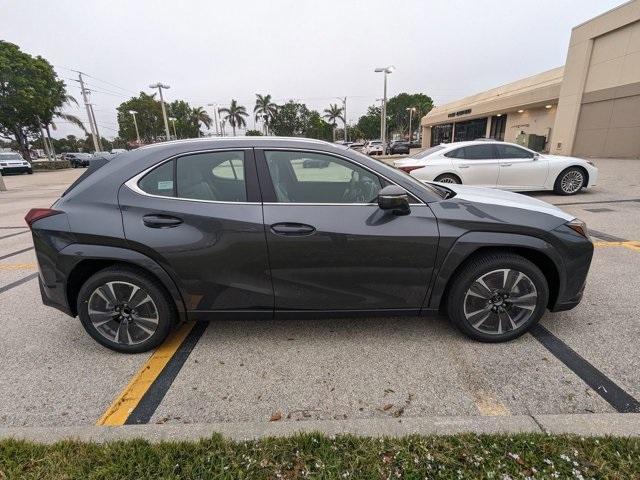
[428,151]
[10,156]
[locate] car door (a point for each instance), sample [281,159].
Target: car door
[521,168]
[200,217]
[331,248]
[476,164]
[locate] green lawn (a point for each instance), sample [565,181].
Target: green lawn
[317,456]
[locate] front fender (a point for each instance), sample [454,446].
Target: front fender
[473,241]
[71,256]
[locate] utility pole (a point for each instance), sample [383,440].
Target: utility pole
[160,86]
[135,124]
[410,110]
[386,71]
[95,125]
[89,116]
[173,120]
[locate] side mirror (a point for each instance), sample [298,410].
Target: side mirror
[394,198]
[536,156]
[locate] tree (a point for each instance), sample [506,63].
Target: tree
[332,114]
[369,124]
[148,116]
[186,125]
[398,116]
[291,119]
[199,115]
[30,94]
[318,128]
[265,110]
[235,115]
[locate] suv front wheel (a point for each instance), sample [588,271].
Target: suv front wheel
[497,297]
[125,310]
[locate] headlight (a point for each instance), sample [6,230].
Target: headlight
[578,226]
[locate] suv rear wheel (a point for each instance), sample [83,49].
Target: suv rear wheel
[125,310]
[497,297]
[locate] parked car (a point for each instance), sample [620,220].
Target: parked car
[12,162]
[356,146]
[373,147]
[238,228]
[399,146]
[495,164]
[116,151]
[77,159]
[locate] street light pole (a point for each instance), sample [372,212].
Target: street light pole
[410,110]
[160,86]
[215,117]
[386,71]
[135,124]
[173,120]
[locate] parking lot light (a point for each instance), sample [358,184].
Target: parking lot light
[383,124]
[160,86]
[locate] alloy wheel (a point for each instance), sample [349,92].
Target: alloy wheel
[447,180]
[500,301]
[572,181]
[123,313]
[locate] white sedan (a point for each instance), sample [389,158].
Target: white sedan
[373,147]
[500,165]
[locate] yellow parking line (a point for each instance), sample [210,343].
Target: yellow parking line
[631,245]
[18,266]
[123,405]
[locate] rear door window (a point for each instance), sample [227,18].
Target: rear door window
[159,181]
[212,176]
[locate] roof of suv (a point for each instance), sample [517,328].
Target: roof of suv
[244,141]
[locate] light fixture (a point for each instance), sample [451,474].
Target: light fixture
[499,115]
[520,111]
[548,106]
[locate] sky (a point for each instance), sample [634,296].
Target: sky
[311,51]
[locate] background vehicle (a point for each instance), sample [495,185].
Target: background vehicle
[356,146]
[373,147]
[239,228]
[507,166]
[77,159]
[115,151]
[12,162]
[399,146]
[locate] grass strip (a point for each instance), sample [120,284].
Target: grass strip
[327,457]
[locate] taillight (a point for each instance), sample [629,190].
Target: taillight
[408,169]
[36,214]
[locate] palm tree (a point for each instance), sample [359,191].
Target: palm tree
[57,113]
[200,115]
[235,115]
[265,110]
[333,113]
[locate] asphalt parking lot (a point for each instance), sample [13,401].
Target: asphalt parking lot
[53,374]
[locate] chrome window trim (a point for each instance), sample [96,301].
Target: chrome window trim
[132,183]
[332,154]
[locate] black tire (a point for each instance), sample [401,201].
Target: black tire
[563,186]
[481,265]
[448,178]
[30,171]
[164,307]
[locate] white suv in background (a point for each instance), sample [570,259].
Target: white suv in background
[12,162]
[373,147]
[500,165]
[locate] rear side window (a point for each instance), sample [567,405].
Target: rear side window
[211,176]
[473,152]
[159,181]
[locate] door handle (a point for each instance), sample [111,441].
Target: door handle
[292,229]
[505,164]
[161,221]
[463,166]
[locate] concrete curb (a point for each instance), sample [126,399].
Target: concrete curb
[617,424]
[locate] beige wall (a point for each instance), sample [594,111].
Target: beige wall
[538,121]
[602,68]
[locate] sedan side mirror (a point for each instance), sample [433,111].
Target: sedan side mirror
[394,198]
[536,156]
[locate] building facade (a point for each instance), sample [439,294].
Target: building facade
[590,107]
